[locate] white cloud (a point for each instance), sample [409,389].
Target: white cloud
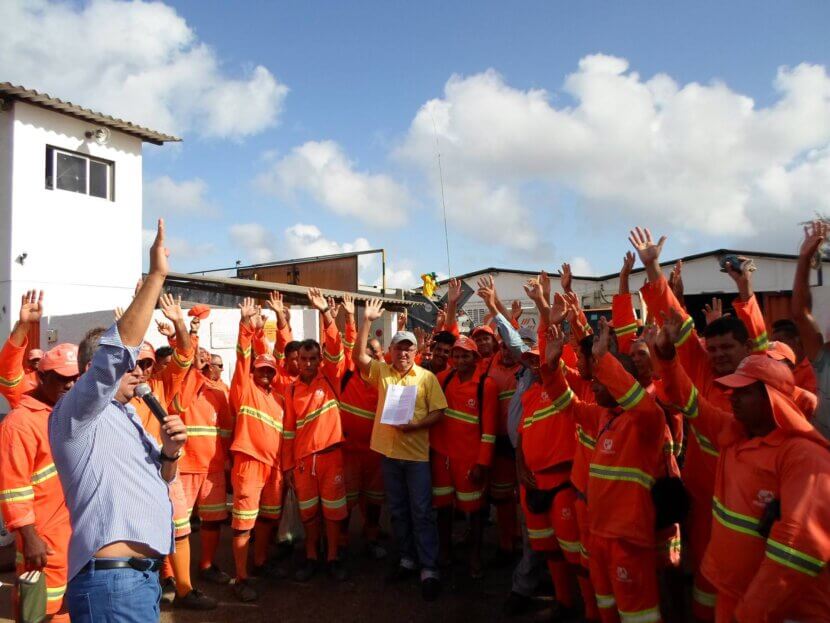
[581,267]
[136,60]
[180,249]
[164,196]
[702,158]
[254,240]
[322,171]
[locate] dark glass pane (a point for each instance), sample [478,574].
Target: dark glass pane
[71,173]
[98,173]
[50,157]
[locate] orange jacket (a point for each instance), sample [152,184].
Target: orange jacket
[204,409]
[14,380]
[782,576]
[358,405]
[258,432]
[547,436]
[164,387]
[805,376]
[30,490]
[585,439]
[312,421]
[467,432]
[284,336]
[629,452]
[624,321]
[505,379]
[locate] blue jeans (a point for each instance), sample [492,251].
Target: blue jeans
[409,497]
[114,596]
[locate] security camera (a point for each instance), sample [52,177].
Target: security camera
[22,258]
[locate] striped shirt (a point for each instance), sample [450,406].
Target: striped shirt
[526,377]
[108,465]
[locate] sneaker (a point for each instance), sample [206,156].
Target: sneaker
[270,570]
[243,590]
[399,574]
[375,550]
[430,589]
[516,605]
[307,571]
[214,575]
[195,600]
[168,590]
[337,571]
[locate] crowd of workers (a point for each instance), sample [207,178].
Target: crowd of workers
[618,456]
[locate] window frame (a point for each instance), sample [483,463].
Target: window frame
[50,179]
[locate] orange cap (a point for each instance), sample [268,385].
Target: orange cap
[781,352]
[534,350]
[265,361]
[200,311]
[764,369]
[62,359]
[466,343]
[483,328]
[146,352]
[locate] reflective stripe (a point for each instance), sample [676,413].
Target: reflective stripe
[606,601]
[485,438]
[671,545]
[352,496]
[181,523]
[345,406]
[245,352]
[438,491]
[6,382]
[652,615]
[348,344]
[44,474]
[225,433]
[626,474]
[333,358]
[793,558]
[704,598]
[377,496]
[685,331]
[306,504]
[707,446]
[21,494]
[288,434]
[632,397]
[313,415]
[691,410]
[461,416]
[182,363]
[735,521]
[625,330]
[211,508]
[761,342]
[543,533]
[569,546]
[244,514]
[338,503]
[202,431]
[507,394]
[585,439]
[270,510]
[55,593]
[261,416]
[468,497]
[502,485]
[557,406]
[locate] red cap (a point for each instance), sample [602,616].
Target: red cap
[146,352]
[764,369]
[466,343]
[483,328]
[781,352]
[62,359]
[200,311]
[265,361]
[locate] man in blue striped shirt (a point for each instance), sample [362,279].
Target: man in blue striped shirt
[114,474]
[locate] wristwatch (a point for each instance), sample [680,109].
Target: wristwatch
[170,459]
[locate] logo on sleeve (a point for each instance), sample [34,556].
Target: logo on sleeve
[764,497]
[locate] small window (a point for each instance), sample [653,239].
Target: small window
[78,173]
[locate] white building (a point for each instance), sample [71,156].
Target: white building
[70,206]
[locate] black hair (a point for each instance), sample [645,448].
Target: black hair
[309,345]
[163,351]
[785,326]
[88,346]
[726,325]
[292,347]
[627,363]
[586,346]
[444,337]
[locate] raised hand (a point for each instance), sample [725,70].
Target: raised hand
[453,290]
[559,309]
[247,310]
[487,292]
[275,302]
[403,317]
[742,276]
[118,312]
[316,299]
[159,253]
[516,310]
[533,289]
[628,264]
[258,321]
[601,339]
[544,281]
[171,307]
[555,344]
[646,248]
[165,328]
[372,310]
[714,311]
[672,324]
[31,307]
[195,323]
[421,337]
[566,277]
[676,280]
[572,299]
[815,234]
[348,304]
[441,318]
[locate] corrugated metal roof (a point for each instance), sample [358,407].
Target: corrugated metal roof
[11,91]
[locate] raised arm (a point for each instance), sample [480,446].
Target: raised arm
[371,312]
[12,372]
[509,335]
[453,296]
[183,350]
[802,301]
[622,310]
[241,379]
[746,305]
[350,331]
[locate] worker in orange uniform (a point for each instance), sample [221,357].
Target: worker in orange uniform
[358,403]
[31,498]
[786,331]
[461,445]
[256,448]
[286,350]
[806,401]
[314,454]
[770,539]
[629,428]
[15,380]
[727,341]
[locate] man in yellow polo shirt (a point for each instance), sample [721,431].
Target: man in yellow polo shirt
[405,450]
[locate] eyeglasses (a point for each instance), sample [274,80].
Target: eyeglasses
[220,366]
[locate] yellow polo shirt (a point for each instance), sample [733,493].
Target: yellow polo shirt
[388,440]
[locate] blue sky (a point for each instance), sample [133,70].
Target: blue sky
[719,150]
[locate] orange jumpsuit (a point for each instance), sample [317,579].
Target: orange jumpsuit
[463,438]
[782,576]
[31,493]
[503,476]
[14,380]
[701,453]
[805,376]
[257,444]
[628,458]
[314,435]
[624,321]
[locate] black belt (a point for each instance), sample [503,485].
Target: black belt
[139,564]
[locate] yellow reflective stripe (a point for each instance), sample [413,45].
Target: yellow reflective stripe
[261,416]
[279,355]
[181,523]
[177,405]
[7,382]
[685,331]
[507,394]
[652,615]
[348,344]
[438,491]
[569,546]
[333,358]
[690,410]
[313,415]
[485,438]
[211,508]
[468,497]
[555,407]
[44,473]
[289,434]
[20,494]
[202,431]
[584,438]
[375,495]
[182,363]
[707,446]
[55,593]
[345,406]
[238,513]
[704,598]
[225,432]
[735,521]
[338,503]
[632,397]
[606,601]
[310,503]
[270,510]
[760,343]
[625,474]
[794,559]
[625,330]
[542,533]
[461,416]
[245,352]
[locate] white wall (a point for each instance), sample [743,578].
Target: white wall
[84,251]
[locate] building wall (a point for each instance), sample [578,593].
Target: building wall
[6,120]
[85,252]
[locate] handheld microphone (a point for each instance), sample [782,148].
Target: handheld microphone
[144,392]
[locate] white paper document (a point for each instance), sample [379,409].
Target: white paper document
[399,406]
